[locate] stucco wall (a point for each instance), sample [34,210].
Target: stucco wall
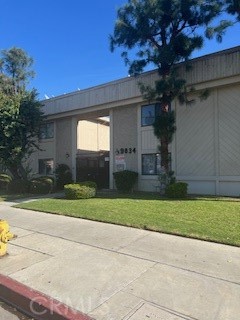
[229,140]
[64,141]
[207,68]
[125,135]
[207,143]
[206,148]
[92,136]
[46,151]
[205,151]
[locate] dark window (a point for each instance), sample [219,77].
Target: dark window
[151,164]
[149,114]
[45,166]
[47,131]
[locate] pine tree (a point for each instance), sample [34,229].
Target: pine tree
[162,34]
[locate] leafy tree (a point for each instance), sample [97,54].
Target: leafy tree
[162,34]
[15,66]
[20,112]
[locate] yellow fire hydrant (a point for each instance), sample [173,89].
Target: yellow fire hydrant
[5,236]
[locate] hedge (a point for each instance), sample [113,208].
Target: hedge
[41,185]
[125,180]
[176,190]
[5,180]
[76,191]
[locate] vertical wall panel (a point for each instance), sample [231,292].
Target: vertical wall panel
[195,139]
[125,134]
[229,130]
[148,140]
[64,141]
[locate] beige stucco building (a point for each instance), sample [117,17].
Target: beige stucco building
[206,149]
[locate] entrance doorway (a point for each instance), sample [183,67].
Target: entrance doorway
[94,166]
[93,145]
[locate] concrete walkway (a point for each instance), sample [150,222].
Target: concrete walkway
[112,272]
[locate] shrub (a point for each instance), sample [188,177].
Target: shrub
[75,191]
[63,176]
[90,184]
[5,179]
[19,186]
[47,177]
[41,185]
[176,190]
[125,180]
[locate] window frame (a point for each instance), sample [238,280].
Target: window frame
[157,112]
[44,131]
[157,170]
[45,173]
[155,164]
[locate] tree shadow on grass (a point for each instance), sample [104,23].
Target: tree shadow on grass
[138,195]
[141,195]
[113,194]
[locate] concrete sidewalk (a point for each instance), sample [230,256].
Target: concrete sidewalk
[112,272]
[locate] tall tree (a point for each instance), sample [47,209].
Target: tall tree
[20,112]
[162,34]
[15,65]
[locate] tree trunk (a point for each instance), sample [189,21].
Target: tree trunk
[14,171]
[164,142]
[22,172]
[164,154]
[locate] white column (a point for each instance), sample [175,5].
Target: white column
[55,145]
[139,146]
[111,153]
[74,123]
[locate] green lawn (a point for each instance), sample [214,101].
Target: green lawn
[208,218]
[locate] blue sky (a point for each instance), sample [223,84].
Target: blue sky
[68,41]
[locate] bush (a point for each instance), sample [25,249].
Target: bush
[5,179]
[75,191]
[19,186]
[125,180]
[90,184]
[41,185]
[176,190]
[63,176]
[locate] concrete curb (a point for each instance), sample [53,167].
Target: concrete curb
[34,303]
